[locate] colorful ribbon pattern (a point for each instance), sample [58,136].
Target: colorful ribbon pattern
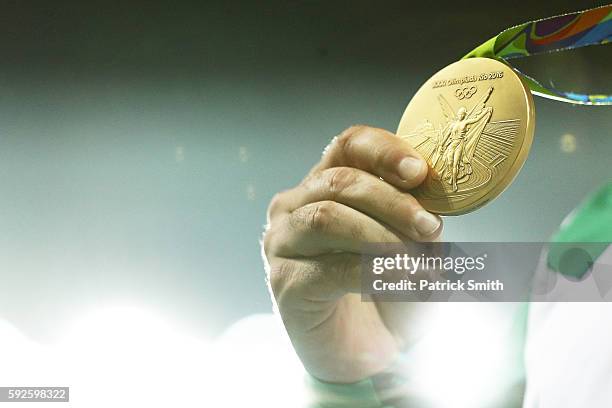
[565,32]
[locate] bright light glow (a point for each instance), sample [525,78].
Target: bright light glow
[258,366]
[463,360]
[125,356]
[128,357]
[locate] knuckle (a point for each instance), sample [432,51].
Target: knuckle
[395,202]
[351,131]
[267,241]
[314,217]
[276,204]
[320,216]
[338,179]
[290,283]
[279,274]
[345,141]
[357,231]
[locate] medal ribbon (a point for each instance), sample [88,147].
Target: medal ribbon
[564,32]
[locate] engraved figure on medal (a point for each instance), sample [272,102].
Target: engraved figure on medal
[465,150]
[458,139]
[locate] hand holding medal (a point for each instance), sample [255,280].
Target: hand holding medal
[474,120]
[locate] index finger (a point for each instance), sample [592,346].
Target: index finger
[378,152]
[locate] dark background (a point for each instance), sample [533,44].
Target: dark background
[140,142]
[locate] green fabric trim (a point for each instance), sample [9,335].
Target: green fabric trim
[590,225]
[361,394]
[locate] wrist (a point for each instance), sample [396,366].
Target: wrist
[387,389]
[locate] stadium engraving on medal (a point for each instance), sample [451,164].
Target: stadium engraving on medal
[473,123]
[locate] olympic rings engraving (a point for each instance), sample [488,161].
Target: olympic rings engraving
[465,93]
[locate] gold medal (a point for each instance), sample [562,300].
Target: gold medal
[473,122]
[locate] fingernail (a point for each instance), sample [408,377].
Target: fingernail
[426,223]
[410,167]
